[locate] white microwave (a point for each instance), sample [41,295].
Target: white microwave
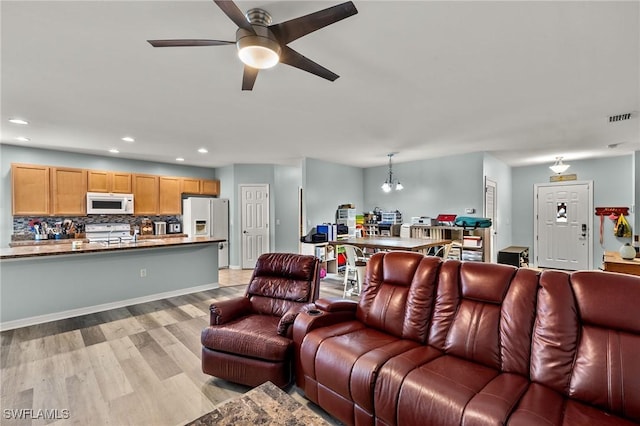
[109,203]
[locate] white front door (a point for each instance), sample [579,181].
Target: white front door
[255,223]
[563,225]
[490,203]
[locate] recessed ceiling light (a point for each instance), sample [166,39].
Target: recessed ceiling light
[128,139]
[114,151]
[22,139]
[18,121]
[179,159]
[203,150]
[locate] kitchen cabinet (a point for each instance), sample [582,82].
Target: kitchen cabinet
[145,194]
[121,183]
[210,187]
[170,200]
[68,191]
[29,190]
[190,186]
[48,190]
[201,186]
[106,181]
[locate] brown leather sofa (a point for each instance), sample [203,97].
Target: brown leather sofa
[249,339]
[448,343]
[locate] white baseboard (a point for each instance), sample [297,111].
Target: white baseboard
[235,267]
[25,322]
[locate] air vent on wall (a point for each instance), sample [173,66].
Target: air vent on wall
[619,117]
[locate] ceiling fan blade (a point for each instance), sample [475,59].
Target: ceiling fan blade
[294,59]
[235,14]
[249,77]
[188,42]
[295,28]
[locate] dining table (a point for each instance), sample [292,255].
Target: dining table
[392,243]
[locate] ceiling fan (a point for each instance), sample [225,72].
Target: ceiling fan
[262,44]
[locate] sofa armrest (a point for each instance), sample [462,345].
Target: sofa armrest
[336,305]
[227,310]
[325,313]
[284,325]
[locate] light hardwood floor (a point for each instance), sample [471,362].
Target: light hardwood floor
[137,365]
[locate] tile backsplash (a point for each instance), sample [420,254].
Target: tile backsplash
[21,230]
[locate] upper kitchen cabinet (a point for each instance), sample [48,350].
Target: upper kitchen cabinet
[68,191]
[200,186]
[210,187]
[170,201]
[104,181]
[190,186]
[29,190]
[145,194]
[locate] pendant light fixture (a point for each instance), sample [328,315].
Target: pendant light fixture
[389,183]
[559,167]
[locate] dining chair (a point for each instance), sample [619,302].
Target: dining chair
[355,267]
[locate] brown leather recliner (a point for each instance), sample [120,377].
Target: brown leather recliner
[249,339]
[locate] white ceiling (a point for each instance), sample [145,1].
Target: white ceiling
[526,81]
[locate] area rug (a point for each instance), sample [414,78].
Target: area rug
[266,404]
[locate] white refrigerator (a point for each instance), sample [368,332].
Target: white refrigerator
[205,216]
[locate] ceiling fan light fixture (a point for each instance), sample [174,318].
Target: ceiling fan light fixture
[259,52]
[559,167]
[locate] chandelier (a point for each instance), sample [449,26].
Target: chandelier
[389,183]
[559,167]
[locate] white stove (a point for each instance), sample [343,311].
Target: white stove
[108,232]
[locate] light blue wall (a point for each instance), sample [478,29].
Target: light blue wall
[442,185]
[612,187]
[500,173]
[16,154]
[288,181]
[328,185]
[431,187]
[244,174]
[284,182]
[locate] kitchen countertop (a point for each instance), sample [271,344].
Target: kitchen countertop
[21,243]
[64,248]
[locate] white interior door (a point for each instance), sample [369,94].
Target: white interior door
[254,223]
[490,208]
[563,224]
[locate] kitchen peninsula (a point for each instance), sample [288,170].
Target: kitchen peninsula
[42,283]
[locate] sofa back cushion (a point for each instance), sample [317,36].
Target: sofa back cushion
[484,313]
[586,341]
[398,294]
[283,280]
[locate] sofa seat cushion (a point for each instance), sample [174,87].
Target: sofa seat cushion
[342,359]
[392,375]
[543,405]
[444,387]
[253,336]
